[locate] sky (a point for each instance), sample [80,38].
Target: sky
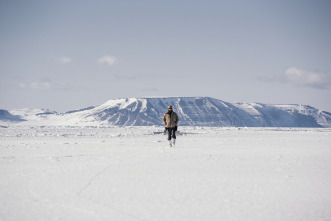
[70,54]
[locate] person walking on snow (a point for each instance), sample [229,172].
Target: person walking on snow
[170,120]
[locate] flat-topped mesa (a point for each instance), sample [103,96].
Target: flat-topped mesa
[206,111]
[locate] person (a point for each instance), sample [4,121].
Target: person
[170,120]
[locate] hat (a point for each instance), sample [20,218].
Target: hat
[170,107]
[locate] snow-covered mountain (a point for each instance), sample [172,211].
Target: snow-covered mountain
[5,116]
[192,111]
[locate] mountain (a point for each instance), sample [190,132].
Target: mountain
[192,111]
[8,117]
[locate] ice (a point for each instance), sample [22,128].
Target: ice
[130,173]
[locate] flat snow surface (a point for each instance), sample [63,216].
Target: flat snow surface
[130,173]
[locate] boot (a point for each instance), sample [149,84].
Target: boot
[170,143]
[174,142]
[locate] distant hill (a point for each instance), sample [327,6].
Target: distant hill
[192,111]
[5,116]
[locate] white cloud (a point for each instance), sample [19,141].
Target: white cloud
[47,84]
[64,60]
[42,85]
[315,79]
[107,59]
[300,77]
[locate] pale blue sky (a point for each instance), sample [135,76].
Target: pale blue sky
[68,54]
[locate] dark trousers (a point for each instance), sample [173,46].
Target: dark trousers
[171,133]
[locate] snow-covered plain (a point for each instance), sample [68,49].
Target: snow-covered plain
[129,173]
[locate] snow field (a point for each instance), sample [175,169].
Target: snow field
[130,173]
